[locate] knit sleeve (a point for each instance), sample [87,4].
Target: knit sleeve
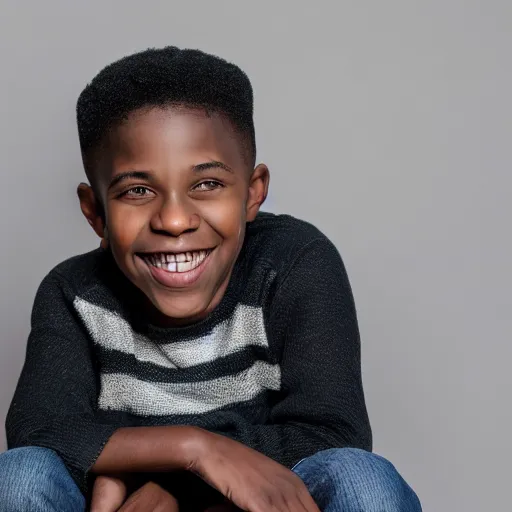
[54,405]
[322,404]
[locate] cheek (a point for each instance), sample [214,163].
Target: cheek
[124,225]
[227,218]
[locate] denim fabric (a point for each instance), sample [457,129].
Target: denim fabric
[36,480]
[353,480]
[340,480]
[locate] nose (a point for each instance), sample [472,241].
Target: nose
[175,217]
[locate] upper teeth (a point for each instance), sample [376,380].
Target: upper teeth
[180,262]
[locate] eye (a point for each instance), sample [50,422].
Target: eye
[137,192]
[208,185]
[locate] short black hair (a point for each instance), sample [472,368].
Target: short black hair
[159,78]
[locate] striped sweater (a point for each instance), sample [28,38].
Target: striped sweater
[275,366]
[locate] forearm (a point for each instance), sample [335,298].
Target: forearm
[149,449]
[289,443]
[323,403]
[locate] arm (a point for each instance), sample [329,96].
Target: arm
[148,449]
[323,403]
[55,400]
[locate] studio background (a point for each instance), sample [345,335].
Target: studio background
[386,124]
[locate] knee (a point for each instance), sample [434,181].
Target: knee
[357,480]
[33,478]
[22,469]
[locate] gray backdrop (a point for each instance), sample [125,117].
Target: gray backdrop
[387,124]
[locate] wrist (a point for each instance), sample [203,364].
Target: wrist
[193,445]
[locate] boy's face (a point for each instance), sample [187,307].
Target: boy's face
[177,192]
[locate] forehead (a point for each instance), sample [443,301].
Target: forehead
[173,137]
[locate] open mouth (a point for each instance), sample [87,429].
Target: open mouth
[176,262]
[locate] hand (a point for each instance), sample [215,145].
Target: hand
[150,498]
[249,479]
[108,494]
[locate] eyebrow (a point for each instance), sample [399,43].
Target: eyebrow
[135,175]
[146,176]
[213,164]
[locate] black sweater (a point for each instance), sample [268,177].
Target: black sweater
[276,366]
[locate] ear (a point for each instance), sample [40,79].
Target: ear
[91,209]
[258,190]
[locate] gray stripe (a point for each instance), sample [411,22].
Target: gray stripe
[125,393]
[244,328]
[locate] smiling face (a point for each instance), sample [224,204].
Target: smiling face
[177,191]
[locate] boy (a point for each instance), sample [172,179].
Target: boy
[207,356]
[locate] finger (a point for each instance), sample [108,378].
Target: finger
[150,498]
[108,495]
[308,502]
[298,501]
[302,498]
[135,501]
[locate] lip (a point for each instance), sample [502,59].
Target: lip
[177,279]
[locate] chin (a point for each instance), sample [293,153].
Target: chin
[182,309]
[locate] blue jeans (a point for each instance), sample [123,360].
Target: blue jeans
[340,480]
